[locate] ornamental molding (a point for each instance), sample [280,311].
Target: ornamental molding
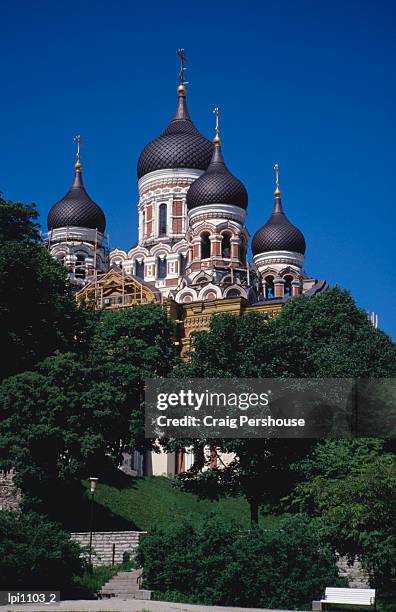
[169,177]
[219,211]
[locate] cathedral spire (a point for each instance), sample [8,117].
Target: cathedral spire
[78,182]
[78,165]
[183,59]
[217,140]
[277,193]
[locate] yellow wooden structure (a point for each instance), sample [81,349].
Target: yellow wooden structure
[115,289]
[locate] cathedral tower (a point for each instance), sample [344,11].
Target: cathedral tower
[278,252]
[76,226]
[167,167]
[217,237]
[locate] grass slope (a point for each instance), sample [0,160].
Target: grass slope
[141,503]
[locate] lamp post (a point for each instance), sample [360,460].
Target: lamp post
[94,482]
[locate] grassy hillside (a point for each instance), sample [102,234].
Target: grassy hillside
[123,502]
[154,501]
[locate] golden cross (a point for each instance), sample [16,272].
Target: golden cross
[217,113]
[77,139]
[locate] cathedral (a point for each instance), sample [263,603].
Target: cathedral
[192,250]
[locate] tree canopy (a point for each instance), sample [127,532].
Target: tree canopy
[317,337]
[38,314]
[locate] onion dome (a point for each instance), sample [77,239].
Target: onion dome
[180,146]
[76,208]
[217,185]
[278,234]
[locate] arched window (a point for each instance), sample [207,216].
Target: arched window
[139,269]
[162,220]
[161,267]
[226,246]
[80,266]
[183,263]
[205,246]
[144,224]
[288,286]
[187,298]
[233,293]
[269,288]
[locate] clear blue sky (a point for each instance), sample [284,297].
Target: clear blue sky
[310,85]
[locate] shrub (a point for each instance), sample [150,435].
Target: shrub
[217,563]
[36,554]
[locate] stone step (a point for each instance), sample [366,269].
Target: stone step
[137,595]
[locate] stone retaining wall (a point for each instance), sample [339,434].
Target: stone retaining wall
[124,543]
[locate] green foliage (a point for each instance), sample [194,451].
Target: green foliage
[77,412]
[338,458]
[38,314]
[217,563]
[356,513]
[316,337]
[18,221]
[36,554]
[335,337]
[129,346]
[56,422]
[321,336]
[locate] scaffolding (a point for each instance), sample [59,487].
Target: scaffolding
[116,289]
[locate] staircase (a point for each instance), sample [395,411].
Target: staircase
[110,547]
[125,585]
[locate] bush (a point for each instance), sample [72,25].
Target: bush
[217,563]
[36,554]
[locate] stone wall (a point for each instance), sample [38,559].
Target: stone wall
[357,578]
[124,543]
[10,496]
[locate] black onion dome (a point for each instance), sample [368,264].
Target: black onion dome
[180,146]
[217,185]
[76,209]
[278,234]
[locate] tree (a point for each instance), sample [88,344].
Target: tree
[18,222]
[56,424]
[38,314]
[36,554]
[356,513]
[77,413]
[316,337]
[128,347]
